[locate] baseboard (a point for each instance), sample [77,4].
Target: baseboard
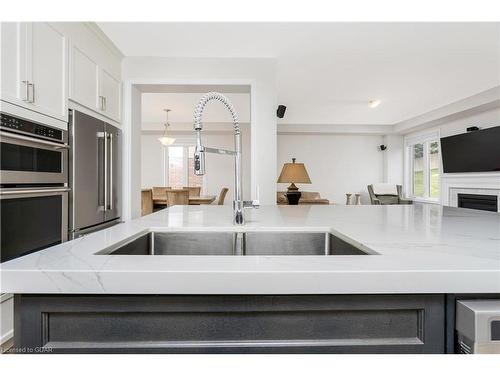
[5,338]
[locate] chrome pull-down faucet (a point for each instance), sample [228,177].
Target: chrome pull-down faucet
[199,153]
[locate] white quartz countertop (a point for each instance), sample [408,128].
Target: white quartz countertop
[421,249]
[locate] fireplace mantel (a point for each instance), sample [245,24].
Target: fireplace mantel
[452,184]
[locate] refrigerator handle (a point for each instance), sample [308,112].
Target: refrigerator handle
[110,135]
[102,136]
[105,171]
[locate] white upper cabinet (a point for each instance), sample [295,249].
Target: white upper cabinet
[13,62]
[84,79]
[91,82]
[110,95]
[43,64]
[34,67]
[49,69]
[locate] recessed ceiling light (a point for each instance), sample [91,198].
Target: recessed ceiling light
[374,103]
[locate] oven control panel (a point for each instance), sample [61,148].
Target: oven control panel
[20,125]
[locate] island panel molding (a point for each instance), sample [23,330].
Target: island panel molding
[230,324]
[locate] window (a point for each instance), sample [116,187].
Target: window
[418,170]
[175,167]
[423,168]
[434,160]
[179,165]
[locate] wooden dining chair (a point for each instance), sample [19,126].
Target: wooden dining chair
[177,197]
[194,191]
[146,201]
[222,196]
[160,195]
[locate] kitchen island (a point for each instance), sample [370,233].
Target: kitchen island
[394,292]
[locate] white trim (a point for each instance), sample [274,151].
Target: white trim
[129,84]
[185,166]
[105,39]
[90,112]
[7,336]
[7,309]
[355,129]
[479,102]
[422,137]
[31,115]
[164,163]
[5,297]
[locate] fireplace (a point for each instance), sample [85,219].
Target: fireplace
[478,202]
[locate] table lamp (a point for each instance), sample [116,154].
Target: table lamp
[294,172]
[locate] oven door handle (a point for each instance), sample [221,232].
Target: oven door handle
[34,140]
[34,191]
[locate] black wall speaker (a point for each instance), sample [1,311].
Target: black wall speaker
[281,111]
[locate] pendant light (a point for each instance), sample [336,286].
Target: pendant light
[166,141]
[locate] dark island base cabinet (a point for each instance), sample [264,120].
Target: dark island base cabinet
[230,324]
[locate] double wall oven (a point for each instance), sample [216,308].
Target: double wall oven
[33,186]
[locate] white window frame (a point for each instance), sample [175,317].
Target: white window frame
[185,161]
[424,138]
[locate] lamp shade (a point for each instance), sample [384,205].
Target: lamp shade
[294,172]
[166,141]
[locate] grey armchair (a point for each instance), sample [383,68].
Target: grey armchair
[385,198]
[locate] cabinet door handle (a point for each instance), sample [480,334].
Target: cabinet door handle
[105,103]
[27,92]
[32,85]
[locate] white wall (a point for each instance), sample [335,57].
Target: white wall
[393,159]
[132,156]
[259,73]
[457,125]
[337,163]
[152,163]
[486,119]
[182,105]
[220,168]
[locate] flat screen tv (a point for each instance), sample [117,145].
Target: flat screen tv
[476,151]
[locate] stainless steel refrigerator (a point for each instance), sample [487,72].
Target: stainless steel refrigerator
[94,174]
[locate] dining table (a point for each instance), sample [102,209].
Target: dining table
[193,200]
[202,199]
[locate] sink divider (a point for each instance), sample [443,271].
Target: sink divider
[327,243]
[152,243]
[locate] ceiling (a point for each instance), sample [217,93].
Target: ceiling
[327,72]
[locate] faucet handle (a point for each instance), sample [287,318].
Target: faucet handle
[251,204]
[256,202]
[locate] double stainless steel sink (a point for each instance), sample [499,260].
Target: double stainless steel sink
[229,243]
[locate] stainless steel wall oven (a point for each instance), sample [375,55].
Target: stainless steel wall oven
[34,189]
[32,154]
[32,220]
